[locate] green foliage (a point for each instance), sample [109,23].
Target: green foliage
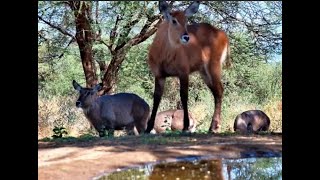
[59,132]
[255,168]
[134,73]
[58,75]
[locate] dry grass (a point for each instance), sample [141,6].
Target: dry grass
[61,112]
[274,110]
[200,112]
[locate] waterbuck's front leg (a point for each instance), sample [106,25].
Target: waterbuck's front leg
[158,91]
[184,84]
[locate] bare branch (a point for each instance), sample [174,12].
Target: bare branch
[149,22]
[113,33]
[127,28]
[222,12]
[103,42]
[60,29]
[71,41]
[40,34]
[97,23]
[144,33]
[140,38]
[103,67]
[89,12]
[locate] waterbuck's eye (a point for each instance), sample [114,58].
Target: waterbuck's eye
[174,21]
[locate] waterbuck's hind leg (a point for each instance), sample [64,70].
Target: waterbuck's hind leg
[212,77]
[217,91]
[158,91]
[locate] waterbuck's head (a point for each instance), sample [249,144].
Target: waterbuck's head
[178,21]
[87,95]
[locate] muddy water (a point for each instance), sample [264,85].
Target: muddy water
[204,168]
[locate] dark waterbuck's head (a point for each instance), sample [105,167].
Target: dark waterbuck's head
[87,95]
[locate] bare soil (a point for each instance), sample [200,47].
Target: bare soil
[93,157]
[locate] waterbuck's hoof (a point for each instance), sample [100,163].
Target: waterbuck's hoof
[215,128]
[102,134]
[153,131]
[147,132]
[214,131]
[186,132]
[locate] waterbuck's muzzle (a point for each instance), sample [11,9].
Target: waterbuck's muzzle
[185,38]
[78,104]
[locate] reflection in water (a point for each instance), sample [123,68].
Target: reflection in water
[253,168]
[188,170]
[214,169]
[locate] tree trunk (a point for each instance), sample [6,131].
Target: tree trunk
[84,37]
[111,75]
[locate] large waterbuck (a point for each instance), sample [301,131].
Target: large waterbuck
[179,49]
[113,112]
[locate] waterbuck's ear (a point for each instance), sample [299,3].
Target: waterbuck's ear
[164,10]
[76,86]
[192,9]
[97,87]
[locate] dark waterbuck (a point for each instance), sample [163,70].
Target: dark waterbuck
[113,112]
[179,49]
[251,121]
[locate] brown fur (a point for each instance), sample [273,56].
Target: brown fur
[169,57]
[172,120]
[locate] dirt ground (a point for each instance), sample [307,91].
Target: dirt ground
[88,159]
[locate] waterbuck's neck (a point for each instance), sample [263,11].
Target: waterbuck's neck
[172,44]
[90,111]
[90,103]
[168,37]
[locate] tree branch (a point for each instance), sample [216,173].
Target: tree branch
[113,34]
[62,3]
[89,12]
[143,36]
[103,68]
[42,36]
[71,41]
[127,28]
[151,19]
[97,23]
[60,29]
